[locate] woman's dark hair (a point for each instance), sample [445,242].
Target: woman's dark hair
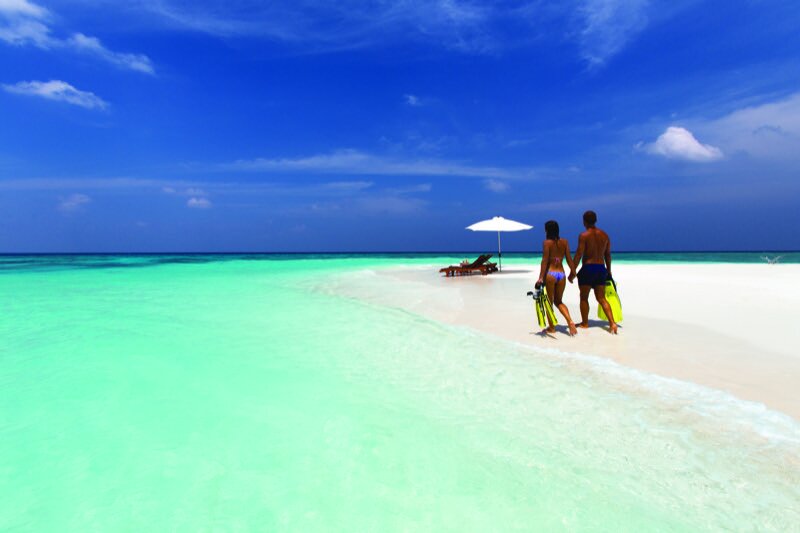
[551,230]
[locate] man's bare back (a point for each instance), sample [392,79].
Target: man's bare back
[594,256]
[594,243]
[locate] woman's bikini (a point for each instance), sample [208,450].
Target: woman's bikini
[557,275]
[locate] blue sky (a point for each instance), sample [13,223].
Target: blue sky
[176,125]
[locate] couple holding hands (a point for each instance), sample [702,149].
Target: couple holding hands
[593,256]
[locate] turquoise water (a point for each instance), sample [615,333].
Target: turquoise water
[198,393]
[16,263]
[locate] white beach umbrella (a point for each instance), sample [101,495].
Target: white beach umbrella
[499,224]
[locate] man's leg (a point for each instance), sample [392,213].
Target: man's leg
[585,290]
[600,294]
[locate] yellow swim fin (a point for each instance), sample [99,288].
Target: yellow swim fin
[613,301]
[540,313]
[544,309]
[548,307]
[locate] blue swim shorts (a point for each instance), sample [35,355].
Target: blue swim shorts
[592,275]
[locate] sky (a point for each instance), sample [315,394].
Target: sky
[391,125]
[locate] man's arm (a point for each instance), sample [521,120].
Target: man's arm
[608,257]
[578,256]
[570,264]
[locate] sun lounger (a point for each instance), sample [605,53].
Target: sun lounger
[481,265]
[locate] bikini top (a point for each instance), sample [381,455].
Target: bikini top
[559,258]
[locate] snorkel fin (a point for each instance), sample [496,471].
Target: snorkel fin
[613,301]
[544,309]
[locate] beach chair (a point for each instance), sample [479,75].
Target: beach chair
[481,265]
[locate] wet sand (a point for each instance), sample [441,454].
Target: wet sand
[726,326]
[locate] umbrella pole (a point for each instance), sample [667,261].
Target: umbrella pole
[499,252]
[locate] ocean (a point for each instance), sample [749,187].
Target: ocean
[240,392]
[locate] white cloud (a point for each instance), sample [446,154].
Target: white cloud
[49,184]
[21,7]
[193,189]
[495,185]
[357,162]
[57,90]
[188,191]
[382,204]
[592,202]
[25,23]
[73,202]
[608,25]
[679,143]
[600,28]
[198,203]
[412,100]
[325,25]
[198,198]
[770,130]
[92,45]
[413,189]
[347,186]
[22,22]
[388,204]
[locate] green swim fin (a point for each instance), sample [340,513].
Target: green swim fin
[613,301]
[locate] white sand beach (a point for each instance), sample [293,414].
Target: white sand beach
[726,326]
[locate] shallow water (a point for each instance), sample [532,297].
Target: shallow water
[194,393]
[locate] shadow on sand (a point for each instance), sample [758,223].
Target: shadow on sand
[565,330]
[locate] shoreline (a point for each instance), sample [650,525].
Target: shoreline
[723,326]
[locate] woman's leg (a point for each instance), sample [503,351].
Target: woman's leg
[563,307]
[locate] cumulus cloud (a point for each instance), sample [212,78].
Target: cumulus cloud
[59,91]
[73,202]
[495,185]
[680,143]
[198,203]
[23,23]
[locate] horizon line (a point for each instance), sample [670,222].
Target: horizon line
[442,252]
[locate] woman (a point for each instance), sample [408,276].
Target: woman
[554,250]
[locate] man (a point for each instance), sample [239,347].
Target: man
[594,256]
